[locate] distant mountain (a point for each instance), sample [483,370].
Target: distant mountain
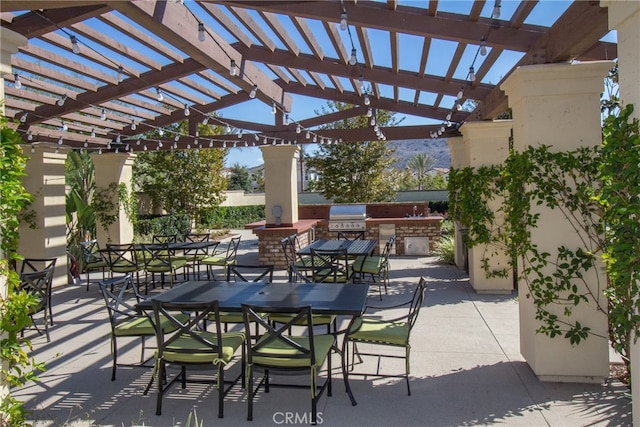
[436,148]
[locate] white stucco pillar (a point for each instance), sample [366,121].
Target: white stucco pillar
[114,168]
[458,160]
[624,16]
[45,181]
[559,105]
[487,144]
[280,186]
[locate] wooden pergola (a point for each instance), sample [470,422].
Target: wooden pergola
[100,74]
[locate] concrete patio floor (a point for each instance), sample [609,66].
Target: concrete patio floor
[465,361]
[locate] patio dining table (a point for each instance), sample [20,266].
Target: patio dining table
[353,247]
[337,298]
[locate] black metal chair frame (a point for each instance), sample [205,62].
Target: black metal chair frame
[230,256]
[352,234]
[299,315]
[381,277]
[414,305]
[32,265]
[330,265]
[91,253]
[124,256]
[38,284]
[195,255]
[158,255]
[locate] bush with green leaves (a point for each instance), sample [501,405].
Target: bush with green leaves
[230,216]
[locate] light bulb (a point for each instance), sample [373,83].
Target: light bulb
[23,118]
[449,115]
[256,137]
[235,144]
[29,136]
[16,82]
[224,144]
[33,149]
[308,135]
[116,150]
[161,132]
[373,121]
[254,92]
[361,83]
[460,93]
[353,60]
[273,107]
[483,47]
[367,101]
[108,146]
[138,142]
[86,143]
[64,126]
[74,44]
[186,110]
[448,123]
[61,100]
[459,107]
[99,150]
[134,126]
[206,119]
[240,133]
[159,92]
[442,129]
[298,129]
[103,115]
[176,138]
[264,141]
[315,138]
[369,112]
[472,74]
[496,10]
[227,129]
[145,147]
[376,128]
[120,74]
[210,143]
[233,70]
[118,139]
[343,21]
[285,120]
[201,35]
[93,132]
[60,141]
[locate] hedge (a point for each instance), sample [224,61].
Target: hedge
[230,216]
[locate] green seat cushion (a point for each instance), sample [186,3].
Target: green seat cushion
[96,264]
[371,265]
[317,319]
[215,260]
[142,326]
[327,276]
[379,331]
[157,266]
[322,347]
[123,267]
[188,350]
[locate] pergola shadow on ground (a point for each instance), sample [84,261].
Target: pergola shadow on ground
[465,361]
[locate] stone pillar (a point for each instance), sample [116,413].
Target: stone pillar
[280,186]
[45,181]
[114,168]
[559,105]
[487,144]
[458,161]
[624,16]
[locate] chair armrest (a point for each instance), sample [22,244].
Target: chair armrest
[379,307]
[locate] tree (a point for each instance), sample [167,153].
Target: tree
[181,181]
[420,165]
[355,172]
[239,179]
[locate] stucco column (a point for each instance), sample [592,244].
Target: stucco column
[559,105]
[458,160]
[114,168]
[487,144]
[46,237]
[10,41]
[280,186]
[624,16]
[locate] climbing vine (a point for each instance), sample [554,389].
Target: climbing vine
[596,190]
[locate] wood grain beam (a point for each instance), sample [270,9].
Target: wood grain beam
[36,23]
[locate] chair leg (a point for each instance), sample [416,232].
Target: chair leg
[161,369]
[114,352]
[251,391]
[407,369]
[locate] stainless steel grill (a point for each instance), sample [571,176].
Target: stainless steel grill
[347,218]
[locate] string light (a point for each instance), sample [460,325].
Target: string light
[60,141]
[240,133]
[161,132]
[227,129]
[64,126]
[369,112]
[483,47]
[298,128]
[93,132]
[206,119]
[343,21]
[103,115]
[23,118]
[29,136]
[74,44]
[367,101]
[99,150]
[186,110]
[254,92]
[17,83]
[159,92]
[285,120]
[86,143]
[307,135]
[373,121]
[460,93]
[496,10]
[353,60]
[201,35]
[273,107]
[33,149]
[118,139]
[233,70]
[472,74]
[61,100]
[120,74]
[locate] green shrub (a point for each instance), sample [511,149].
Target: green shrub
[148,225]
[230,216]
[445,250]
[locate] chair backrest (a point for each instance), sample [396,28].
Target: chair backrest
[197,238]
[123,255]
[388,246]
[164,238]
[232,248]
[38,283]
[120,296]
[278,335]
[250,273]
[166,318]
[90,251]
[30,265]
[156,255]
[351,235]
[416,302]
[330,265]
